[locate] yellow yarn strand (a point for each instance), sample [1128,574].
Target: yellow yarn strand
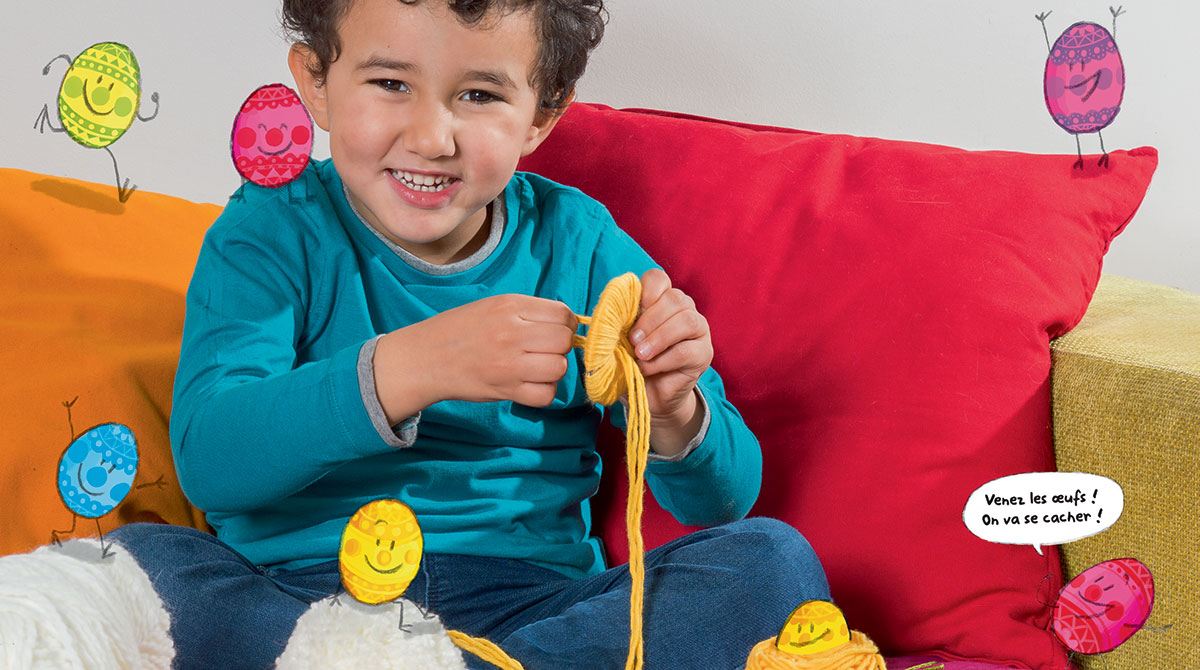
[612,371]
[484,649]
[860,653]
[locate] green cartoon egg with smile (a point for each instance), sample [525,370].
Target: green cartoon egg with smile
[99,95]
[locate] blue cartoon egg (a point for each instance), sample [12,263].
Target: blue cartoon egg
[96,471]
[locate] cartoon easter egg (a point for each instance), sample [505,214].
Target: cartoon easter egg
[815,626]
[1084,79]
[1104,606]
[100,94]
[96,470]
[380,551]
[272,136]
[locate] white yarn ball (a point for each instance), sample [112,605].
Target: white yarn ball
[66,608]
[342,633]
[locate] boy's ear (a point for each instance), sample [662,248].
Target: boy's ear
[543,123]
[311,91]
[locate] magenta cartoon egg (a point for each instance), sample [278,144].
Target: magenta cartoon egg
[1104,606]
[272,136]
[1085,79]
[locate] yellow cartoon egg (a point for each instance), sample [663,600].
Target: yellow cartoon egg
[380,551]
[813,627]
[100,93]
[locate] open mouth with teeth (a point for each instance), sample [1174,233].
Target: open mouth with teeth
[423,183]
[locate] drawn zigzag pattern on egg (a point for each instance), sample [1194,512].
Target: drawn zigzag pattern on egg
[111,60]
[1084,81]
[1104,619]
[1082,43]
[271,141]
[272,170]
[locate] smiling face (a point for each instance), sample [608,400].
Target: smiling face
[97,470]
[380,551]
[1104,606]
[99,95]
[814,627]
[427,118]
[272,136]
[1084,79]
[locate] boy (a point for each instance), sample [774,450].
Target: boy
[406,333]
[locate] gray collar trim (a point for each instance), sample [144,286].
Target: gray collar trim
[499,216]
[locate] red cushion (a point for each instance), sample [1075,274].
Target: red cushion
[881,313]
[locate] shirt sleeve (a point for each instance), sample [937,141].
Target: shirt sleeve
[250,425]
[403,434]
[718,479]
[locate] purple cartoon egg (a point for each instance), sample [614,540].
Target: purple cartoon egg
[1104,606]
[1085,79]
[272,136]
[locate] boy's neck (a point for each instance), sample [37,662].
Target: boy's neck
[485,239]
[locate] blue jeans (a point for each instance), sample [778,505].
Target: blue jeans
[710,597]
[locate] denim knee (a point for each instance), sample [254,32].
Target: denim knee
[780,556]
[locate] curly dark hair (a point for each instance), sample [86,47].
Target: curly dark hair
[567,31]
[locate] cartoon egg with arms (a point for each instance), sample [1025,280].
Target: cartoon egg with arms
[100,93]
[1084,79]
[97,469]
[1104,606]
[380,551]
[272,136]
[815,626]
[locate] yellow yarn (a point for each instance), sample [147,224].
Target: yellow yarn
[860,653]
[612,371]
[484,649]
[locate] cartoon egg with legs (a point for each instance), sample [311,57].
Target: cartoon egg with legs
[97,469]
[380,551]
[100,94]
[1085,79]
[1104,606]
[272,136]
[815,626]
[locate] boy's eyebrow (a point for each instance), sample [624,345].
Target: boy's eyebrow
[493,77]
[386,63]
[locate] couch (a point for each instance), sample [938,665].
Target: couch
[899,323]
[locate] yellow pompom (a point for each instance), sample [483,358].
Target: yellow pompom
[608,334]
[860,653]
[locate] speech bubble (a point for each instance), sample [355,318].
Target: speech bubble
[1038,508]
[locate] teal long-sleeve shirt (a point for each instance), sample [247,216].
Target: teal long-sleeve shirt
[272,435]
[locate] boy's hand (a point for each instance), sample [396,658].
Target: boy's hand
[673,347]
[507,347]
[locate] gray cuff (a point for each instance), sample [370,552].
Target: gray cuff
[695,442]
[400,435]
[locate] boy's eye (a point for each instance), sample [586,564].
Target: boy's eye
[390,84]
[479,97]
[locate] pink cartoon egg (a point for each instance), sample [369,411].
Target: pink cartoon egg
[1104,606]
[272,136]
[1085,79]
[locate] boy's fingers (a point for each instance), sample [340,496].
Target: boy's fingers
[534,394]
[546,311]
[543,368]
[687,358]
[655,283]
[674,319]
[547,338]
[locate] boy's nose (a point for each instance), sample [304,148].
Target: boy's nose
[430,133]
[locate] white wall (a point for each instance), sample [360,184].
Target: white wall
[943,71]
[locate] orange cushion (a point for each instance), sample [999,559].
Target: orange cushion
[91,307]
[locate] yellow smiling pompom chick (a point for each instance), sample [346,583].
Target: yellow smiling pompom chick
[100,94]
[380,551]
[813,627]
